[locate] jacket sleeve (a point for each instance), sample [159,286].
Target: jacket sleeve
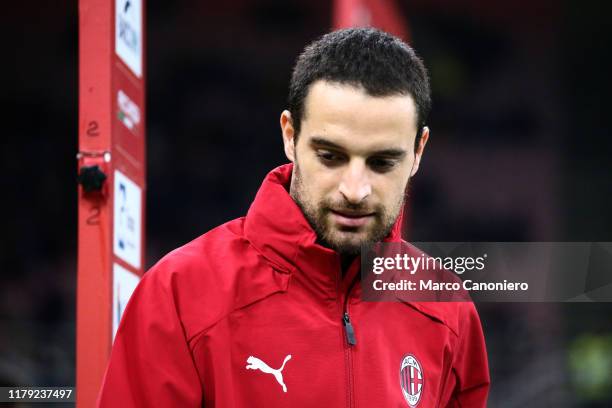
[151,363]
[470,364]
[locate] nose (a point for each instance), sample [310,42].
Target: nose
[355,184]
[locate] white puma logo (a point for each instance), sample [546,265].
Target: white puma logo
[256,364]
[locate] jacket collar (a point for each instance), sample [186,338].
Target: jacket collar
[277,228]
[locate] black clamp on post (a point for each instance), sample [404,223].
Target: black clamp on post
[91,178]
[93,167]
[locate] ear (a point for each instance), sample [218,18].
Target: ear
[418,154]
[288,131]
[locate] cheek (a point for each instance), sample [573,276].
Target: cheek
[391,190]
[318,178]
[314,185]
[321,189]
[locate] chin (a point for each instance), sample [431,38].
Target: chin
[348,246]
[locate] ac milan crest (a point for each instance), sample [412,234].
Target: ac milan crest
[412,380]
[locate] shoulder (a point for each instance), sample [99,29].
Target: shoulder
[213,275]
[206,251]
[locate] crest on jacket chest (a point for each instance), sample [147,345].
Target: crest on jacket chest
[412,380]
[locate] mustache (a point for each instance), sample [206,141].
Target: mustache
[350,207]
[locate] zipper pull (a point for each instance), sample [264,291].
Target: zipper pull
[348,328]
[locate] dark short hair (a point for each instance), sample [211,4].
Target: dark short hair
[380,63]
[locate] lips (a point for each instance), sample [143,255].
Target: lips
[351,219]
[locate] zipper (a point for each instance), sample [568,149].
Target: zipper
[349,332]
[348,329]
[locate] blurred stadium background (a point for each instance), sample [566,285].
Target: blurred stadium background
[520,151]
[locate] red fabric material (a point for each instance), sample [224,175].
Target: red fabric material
[382,14]
[260,286]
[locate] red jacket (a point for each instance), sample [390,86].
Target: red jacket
[254,314]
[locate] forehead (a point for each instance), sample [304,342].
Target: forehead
[347,115]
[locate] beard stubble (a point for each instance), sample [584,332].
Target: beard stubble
[345,240]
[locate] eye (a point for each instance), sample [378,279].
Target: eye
[381,165]
[330,158]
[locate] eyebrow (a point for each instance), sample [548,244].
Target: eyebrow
[391,153]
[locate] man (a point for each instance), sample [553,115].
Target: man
[265,311]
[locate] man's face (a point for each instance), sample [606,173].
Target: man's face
[352,161]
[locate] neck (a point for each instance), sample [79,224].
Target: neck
[345,262]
